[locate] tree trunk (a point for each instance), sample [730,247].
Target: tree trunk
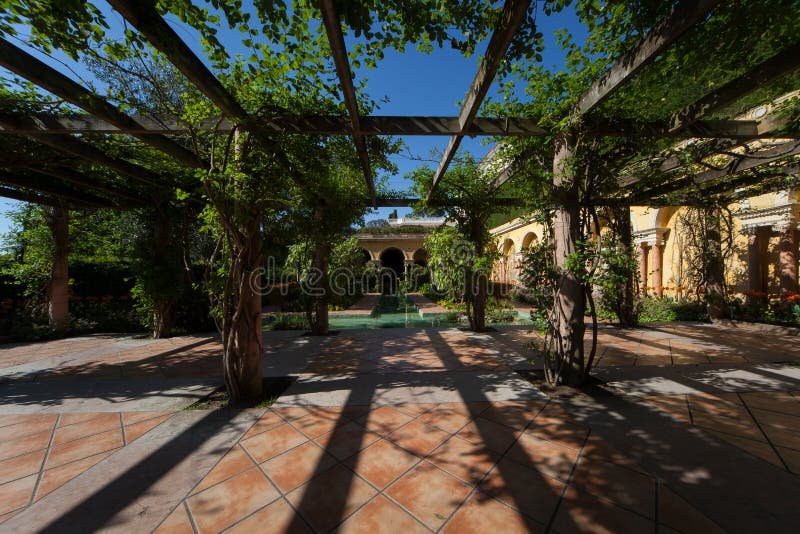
[570,304]
[480,283]
[242,335]
[715,265]
[162,309]
[58,288]
[627,307]
[320,326]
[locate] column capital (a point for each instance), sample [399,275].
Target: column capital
[651,237]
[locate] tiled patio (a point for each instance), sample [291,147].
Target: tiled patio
[404,430]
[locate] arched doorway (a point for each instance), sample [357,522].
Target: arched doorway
[392,268]
[366,255]
[421,257]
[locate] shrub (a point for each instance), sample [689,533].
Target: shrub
[281,321]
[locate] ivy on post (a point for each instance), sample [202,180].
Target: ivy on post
[58,285]
[715,265]
[569,305]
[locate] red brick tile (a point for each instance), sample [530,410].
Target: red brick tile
[177,522]
[313,425]
[273,442]
[36,425]
[58,476]
[381,463]
[21,466]
[550,458]
[16,494]
[384,420]
[83,448]
[676,513]
[347,440]
[331,497]
[381,515]
[136,430]
[448,418]
[295,467]
[226,503]
[130,418]
[275,518]
[489,434]
[429,493]
[266,422]
[418,438]
[463,459]
[24,445]
[481,513]
[524,488]
[629,489]
[234,462]
[90,425]
[580,512]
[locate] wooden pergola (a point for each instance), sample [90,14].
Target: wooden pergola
[57,135]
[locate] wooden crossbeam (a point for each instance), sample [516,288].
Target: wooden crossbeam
[81,149]
[765,128]
[34,198]
[41,74]
[82,180]
[333,28]
[761,75]
[410,202]
[737,164]
[683,17]
[48,186]
[300,124]
[144,17]
[511,17]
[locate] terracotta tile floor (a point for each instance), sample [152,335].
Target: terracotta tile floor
[41,452]
[510,466]
[764,424]
[536,475]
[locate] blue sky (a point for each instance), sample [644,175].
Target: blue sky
[412,82]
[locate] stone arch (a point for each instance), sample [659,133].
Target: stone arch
[529,239]
[368,257]
[420,257]
[663,215]
[508,247]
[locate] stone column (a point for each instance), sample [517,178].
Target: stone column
[754,260]
[643,249]
[787,260]
[657,276]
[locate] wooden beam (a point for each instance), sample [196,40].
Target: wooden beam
[765,128]
[46,123]
[30,68]
[766,72]
[685,15]
[333,28]
[511,17]
[82,180]
[81,149]
[50,187]
[34,198]
[736,164]
[143,16]
[410,202]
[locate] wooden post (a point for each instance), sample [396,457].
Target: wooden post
[754,261]
[627,308]
[58,289]
[715,266]
[570,301]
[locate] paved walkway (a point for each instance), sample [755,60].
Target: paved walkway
[414,430]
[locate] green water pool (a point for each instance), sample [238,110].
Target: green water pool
[410,319]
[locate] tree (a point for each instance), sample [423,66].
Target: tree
[469,197]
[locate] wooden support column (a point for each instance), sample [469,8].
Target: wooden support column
[715,266]
[627,307]
[58,288]
[570,303]
[787,260]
